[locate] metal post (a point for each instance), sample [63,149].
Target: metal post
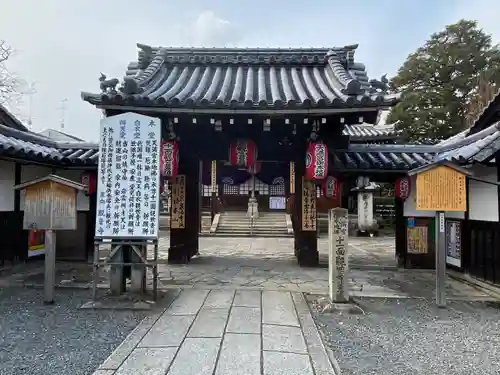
[155,271]
[50,266]
[440,259]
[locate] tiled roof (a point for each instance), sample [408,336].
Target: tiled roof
[479,147]
[205,78]
[381,157]
[9,120]
[369,131]
[15,143]
[489,114]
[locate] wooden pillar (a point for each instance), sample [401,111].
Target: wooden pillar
[213,189]
[306,242]
[184,237]
[400,227]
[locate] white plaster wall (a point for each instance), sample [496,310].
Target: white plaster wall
[483,198]
[410,211]
[31,172]
[7,170]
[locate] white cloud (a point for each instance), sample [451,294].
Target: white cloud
[210,30]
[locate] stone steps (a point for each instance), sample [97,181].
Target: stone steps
[237,224]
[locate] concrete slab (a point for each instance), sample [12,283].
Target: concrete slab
[196,356]
[276,363]
[244,320]
[240,355]
[278,308]
[218,299]
[247,298]
[169,330]
[283,339]
[147,361]
[188,302]
[125,348]
[209,323]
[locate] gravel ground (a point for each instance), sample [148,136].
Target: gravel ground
[413,336]
[61,339]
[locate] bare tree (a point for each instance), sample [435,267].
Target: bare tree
[11,86]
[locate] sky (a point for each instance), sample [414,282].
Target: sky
[63,45]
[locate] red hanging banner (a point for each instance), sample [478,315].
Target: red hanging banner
[169,159]
[403,188]
[243,153]
[330,187]
[316,161]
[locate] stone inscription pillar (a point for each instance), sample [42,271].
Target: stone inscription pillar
[338,257]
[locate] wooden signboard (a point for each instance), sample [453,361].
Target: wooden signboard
[50,203]
[441,189]
[416,240]
[308,205]
[214,176]
[178,208]
[292,177]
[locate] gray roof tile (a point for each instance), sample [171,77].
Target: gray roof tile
[246,78]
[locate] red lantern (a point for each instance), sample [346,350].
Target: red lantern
[316,161]
[330,187]
[243,153]
[89,180]
[169,159]
[403,188]
[255,167]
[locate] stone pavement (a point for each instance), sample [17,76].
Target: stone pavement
[269,264]
[224,332]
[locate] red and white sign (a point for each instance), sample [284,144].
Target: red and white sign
[169,159]
[403,188]
[243,153]
[316,161]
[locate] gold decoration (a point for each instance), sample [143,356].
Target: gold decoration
[292,177]
[214,176]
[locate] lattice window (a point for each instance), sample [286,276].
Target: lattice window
[207,190]
[277,190]
[231,190]
[261,187]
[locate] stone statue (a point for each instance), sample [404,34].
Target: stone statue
[108,85]
[130,86]
[382,85]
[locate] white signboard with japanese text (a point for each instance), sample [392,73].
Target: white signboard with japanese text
[128,177]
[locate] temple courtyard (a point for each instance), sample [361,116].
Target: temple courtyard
[243,306]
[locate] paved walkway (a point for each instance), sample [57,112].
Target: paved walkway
[226,331]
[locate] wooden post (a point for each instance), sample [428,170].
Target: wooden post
[50,204]
[50,267]
[306,242]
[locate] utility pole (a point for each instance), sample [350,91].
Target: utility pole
[62,108]
[31,91]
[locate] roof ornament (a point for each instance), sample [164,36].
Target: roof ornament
[108,86]
[130,86]
[381,86]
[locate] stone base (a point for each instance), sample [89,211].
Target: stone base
[324,305]
[253,208]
